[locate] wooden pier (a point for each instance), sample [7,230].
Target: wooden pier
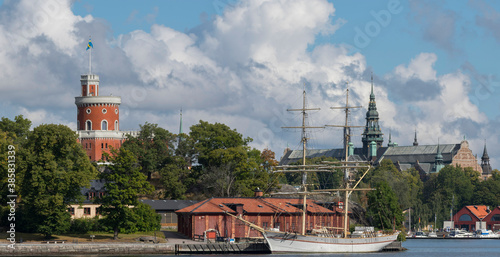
[218,248]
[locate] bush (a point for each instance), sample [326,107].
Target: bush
[82,226]
[147,219]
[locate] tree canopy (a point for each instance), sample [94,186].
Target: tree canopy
[124,182]
[55,168]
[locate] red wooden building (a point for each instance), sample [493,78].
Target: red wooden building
[208,217]
[493,219]
[468,218]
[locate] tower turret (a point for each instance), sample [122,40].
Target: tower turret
[485,162]
[372,132]
[438,161]
[415,142]
[97,119]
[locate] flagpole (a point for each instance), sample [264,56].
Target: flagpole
[90,61]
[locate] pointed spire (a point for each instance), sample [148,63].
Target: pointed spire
[390,141]
[372,130]
[415,142]
[439,156]
[485,152]
[485,162]
[438,163]
[372,95]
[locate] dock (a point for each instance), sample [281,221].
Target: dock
[394,246]
[221,248]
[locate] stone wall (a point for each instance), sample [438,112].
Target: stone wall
[465,158]
[88,248]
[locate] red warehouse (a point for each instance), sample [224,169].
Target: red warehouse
[209,217]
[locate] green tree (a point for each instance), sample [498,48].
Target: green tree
[383,207]
[488,191]
[146,218]
[173,177]
[124,182]
[56,167]
[8,151]
[152,147]
[19,128]
[209,137]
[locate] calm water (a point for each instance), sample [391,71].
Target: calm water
[423,248]
[416,247]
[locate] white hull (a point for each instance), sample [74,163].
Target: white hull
[280,242]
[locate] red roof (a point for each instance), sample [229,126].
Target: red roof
[478,210]
[254,205]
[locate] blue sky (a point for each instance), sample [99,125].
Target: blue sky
[244,62]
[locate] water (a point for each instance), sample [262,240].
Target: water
[420,248]
[416,247]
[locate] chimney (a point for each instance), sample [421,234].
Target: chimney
[258,193]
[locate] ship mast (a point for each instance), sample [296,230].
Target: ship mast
[304,149]
[345,163]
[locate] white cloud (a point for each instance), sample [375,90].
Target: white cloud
[243,69]
[421,67]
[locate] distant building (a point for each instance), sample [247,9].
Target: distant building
[283,214]
[167,209]
[470,218]
[88,209]
[427,159]
[493,219]
[98,119]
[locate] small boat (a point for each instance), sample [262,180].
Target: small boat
[460,233]
[486,233]
[432,234]
[420,234]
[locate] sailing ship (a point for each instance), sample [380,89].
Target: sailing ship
[364,239]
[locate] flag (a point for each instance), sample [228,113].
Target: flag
[90,45]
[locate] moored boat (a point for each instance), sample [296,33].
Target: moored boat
[486,233]
[362,240]
[280,242]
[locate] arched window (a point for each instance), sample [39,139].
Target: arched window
[116,125]
[88,125]
[104,125]
[78,125]
[465,217]
[495,217]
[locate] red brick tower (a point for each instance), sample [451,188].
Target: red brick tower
[97,119]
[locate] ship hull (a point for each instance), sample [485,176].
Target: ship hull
[294,243]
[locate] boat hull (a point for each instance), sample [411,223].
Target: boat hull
[294,243]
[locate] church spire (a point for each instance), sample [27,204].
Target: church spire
[372,131]
[485,162]
[438,161]
[415,142]
[372,95]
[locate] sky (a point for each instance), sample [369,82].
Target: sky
[243,63]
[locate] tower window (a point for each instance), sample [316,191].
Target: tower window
[106,145]
[116,111]
[104,110]
[104,125]
[88,111]
[116,125]
[102,146]
[88,125]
